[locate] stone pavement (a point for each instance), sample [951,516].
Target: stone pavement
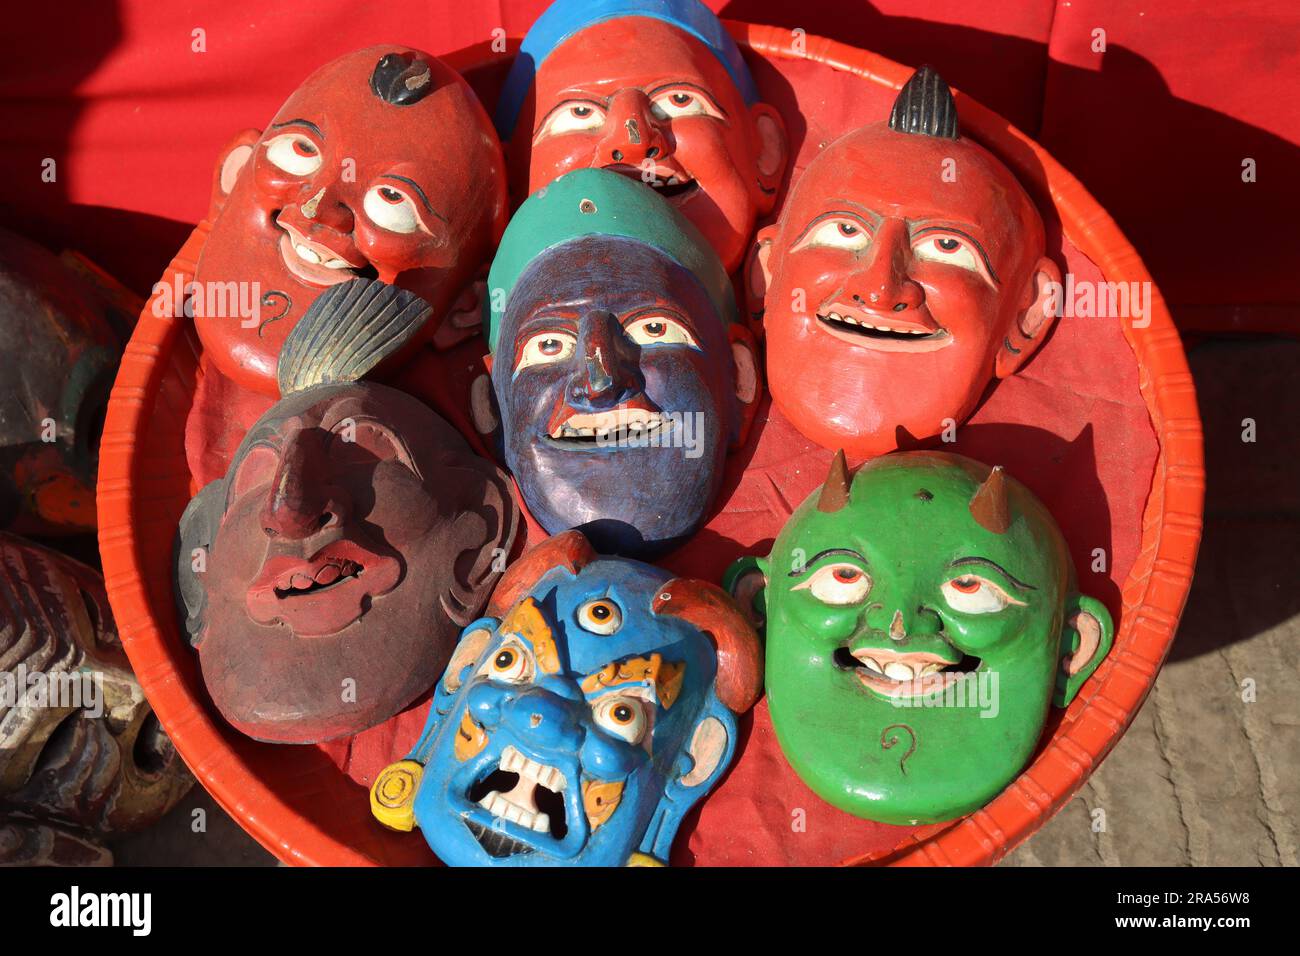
[1202,776]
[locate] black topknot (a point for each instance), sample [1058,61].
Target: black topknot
[402,78]
[924,106]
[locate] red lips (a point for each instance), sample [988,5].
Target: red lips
[321,594]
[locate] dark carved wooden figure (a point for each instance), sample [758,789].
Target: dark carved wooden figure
[81,752]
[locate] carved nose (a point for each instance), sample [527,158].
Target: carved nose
[544,718]
[301,501]
[325,206]
[885,286]
[609,370]
[632,133]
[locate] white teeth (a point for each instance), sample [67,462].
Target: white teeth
[337,263]
[868,325]
[606,424]
[931,669]
[519,805]
[306,253]
[871,664]
[898,670]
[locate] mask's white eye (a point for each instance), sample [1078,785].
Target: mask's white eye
[674,104]
[659,330]
[975,595]
[621,715]
[952,250]
[294,153]
[572,116]
[545,348]
[839,234]
[511,662]
[601,616]
[391,209]
[838,584]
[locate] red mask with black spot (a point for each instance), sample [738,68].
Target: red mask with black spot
[907,271]
[662,109]
[382,164]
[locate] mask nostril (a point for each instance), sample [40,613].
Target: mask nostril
[652,152]
[617,155]
[900,306]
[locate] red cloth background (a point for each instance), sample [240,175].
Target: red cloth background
[1156,127]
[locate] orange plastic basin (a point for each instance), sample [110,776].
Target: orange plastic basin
[297,802]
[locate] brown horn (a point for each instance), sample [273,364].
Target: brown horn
[740,658]
[835,491]
[569,549]
[988,506]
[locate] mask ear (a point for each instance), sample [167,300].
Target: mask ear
[468,650]
[1088,636]
[464,319]
[758,276]
[483,406]
[746,582]
[772,153]
[484,531]
[473,640]
[707,755]
[749,383]
[232,162]
[1034,321]
[194,535]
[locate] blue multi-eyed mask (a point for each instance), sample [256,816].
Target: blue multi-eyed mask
[580,725]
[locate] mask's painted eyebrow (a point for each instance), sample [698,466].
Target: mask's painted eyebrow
[419,192]
[821,554]
[979,247]
[838,208]
[687,84]
[985,562]
[300,122]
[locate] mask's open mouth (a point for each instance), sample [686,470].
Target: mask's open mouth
[875,331]
[524,792]
[674,188]
[620,426]
[330,573]
[674,185]
[323,593]
[316,262]
[897,674]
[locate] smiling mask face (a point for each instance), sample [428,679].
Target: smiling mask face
[921,619]
[353,530]
[580,726]
[325,577]
[617,394]
[906,273]
[674,108]
[347,181]
[620,377]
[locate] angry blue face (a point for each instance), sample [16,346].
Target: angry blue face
[578,729]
